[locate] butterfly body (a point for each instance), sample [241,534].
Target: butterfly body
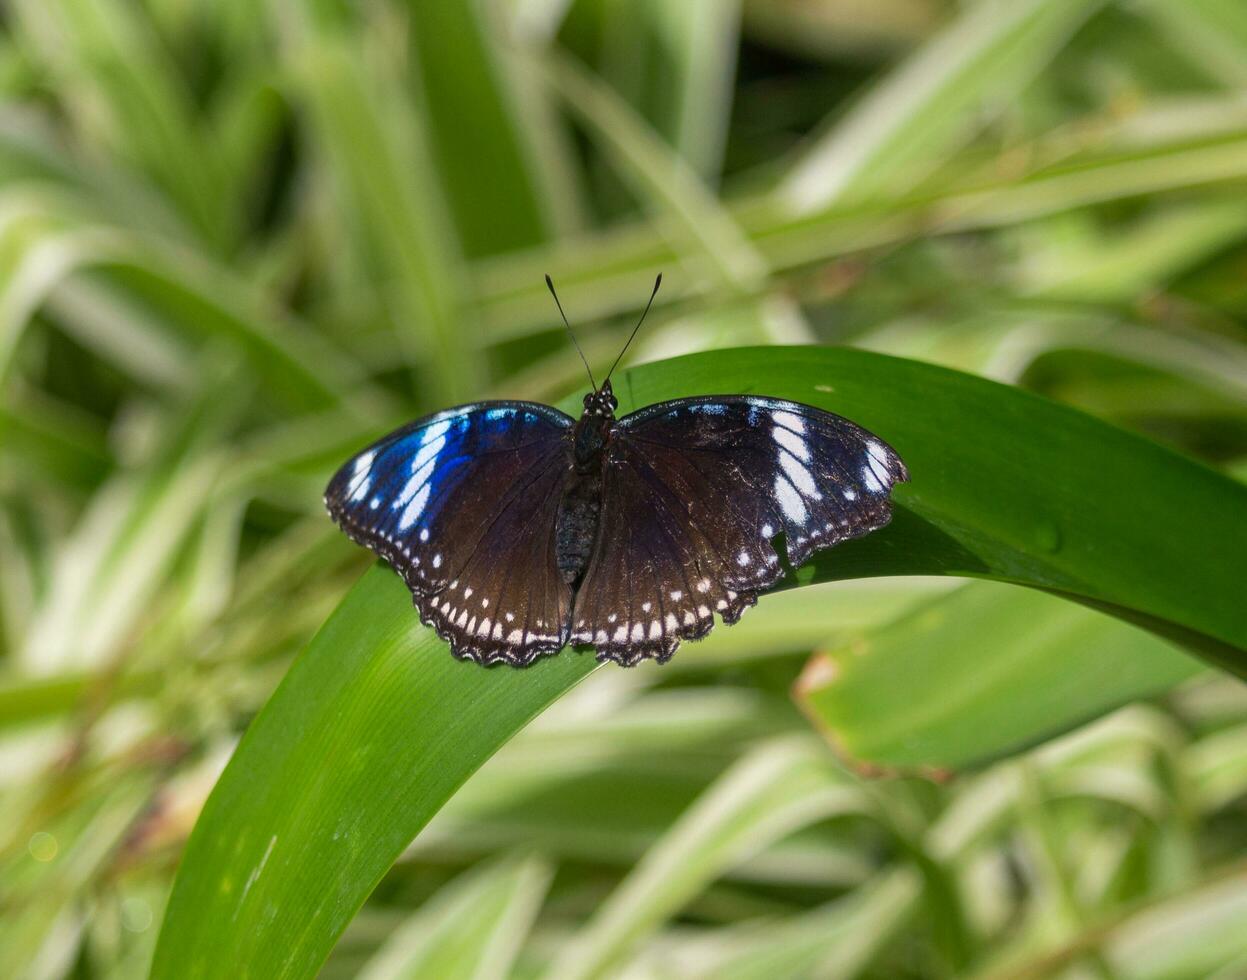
[581,504]
[519,530]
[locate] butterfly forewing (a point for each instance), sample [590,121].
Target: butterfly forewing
[695,491]
[463,505]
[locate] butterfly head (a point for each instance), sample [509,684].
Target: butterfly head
[601,403]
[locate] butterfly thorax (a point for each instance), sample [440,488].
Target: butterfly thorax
[581,505]
[593,429]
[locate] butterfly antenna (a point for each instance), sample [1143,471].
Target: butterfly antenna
[657,283]
[550,285]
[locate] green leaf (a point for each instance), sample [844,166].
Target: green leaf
[376,725]
[1012,667]
[296,835]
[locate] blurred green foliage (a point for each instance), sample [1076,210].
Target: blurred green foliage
[238,239]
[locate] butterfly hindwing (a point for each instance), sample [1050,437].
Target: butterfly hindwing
[694,490]
[463,505]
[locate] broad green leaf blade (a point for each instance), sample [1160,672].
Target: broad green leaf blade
[296,833]
[1070,505]
[1011,667]
[376,725]
[470,930]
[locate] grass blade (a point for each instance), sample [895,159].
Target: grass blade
[662,180]
[487,168]
[470,930]
[381,164]
[768,794]
[835,940]
[910,120]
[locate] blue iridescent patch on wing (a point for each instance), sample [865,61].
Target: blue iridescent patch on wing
[422,496]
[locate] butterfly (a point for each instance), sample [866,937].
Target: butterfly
[520,530]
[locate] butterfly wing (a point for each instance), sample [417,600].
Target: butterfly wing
[463,505]
[693,492]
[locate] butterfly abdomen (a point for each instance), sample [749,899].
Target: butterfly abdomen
[576,529]
[580,508]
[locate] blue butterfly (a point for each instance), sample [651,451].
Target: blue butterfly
[519,529]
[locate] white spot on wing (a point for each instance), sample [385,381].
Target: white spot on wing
[792,442]
[790,421]
[434,431]
[799,475]
[361,476]
[880,470]
[414,510]
[423,460]
[418,479]
[790,501]
[638,632]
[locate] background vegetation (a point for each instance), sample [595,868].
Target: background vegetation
[239,239]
